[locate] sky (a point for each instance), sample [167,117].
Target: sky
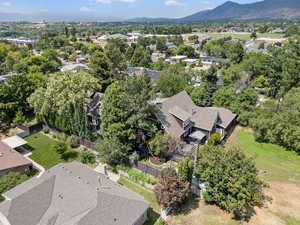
[97,10]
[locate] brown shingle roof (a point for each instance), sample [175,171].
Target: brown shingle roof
[10,158]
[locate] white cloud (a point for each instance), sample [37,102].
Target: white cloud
[173,3]
[84,9]
[44,10]
[110,1]
[5,4]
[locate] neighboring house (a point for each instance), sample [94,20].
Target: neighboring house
[181,118]
[73,194]
[190,62]
[6,76]
[211,60]
[75,67]
[176,59]
[12,161]
[157,56]
[141,71]
[21,42]
[94,110]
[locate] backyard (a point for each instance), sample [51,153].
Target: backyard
[42,148]
[278,167]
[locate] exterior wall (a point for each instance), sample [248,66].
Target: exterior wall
[20,169]
[142,219]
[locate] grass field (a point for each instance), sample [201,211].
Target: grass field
[243,36]
[279,164]
[42,148]
[153,215]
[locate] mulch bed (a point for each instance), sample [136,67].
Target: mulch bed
[156,161]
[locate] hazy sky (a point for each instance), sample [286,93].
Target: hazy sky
[114,9]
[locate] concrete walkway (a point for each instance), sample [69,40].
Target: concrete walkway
[101,168]
[36,165]
[3,220]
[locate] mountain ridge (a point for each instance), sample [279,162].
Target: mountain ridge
[231,11]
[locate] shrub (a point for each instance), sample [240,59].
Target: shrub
[185,170]
[60,148]
[214,139]
[163,145]
[73,141]
[9,181]
[20,118]
[61,137]
[87,157]
[46,130]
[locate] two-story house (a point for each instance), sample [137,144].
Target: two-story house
[186,121]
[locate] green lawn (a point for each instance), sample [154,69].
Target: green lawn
[41,147]
[153,214]
[243,36]
[280,164]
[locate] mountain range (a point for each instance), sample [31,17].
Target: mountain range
[266,10]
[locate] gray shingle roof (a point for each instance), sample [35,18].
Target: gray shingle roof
[225,115]
[182,107]
[179,113]
[72,194]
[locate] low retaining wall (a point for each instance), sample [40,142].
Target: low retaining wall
[29,130]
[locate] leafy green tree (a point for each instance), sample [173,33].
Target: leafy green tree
[172,81]
[100,67]
[111,151]
[161,44]
[63,102]
[126,111]
[187,51]
[291,30]
[253,35]
[224,97]
[193,38]
[15,92]
[115,58]
[159,65]
[279,123]
[141,57]
[129,53]
[185,170]
[199,94]
[163,145]
[232,180]
[235,52]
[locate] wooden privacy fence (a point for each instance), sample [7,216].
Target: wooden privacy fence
[146,169]
[29,130]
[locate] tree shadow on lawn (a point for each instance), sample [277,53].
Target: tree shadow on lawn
[152,217]
[190,204]
[70,155]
